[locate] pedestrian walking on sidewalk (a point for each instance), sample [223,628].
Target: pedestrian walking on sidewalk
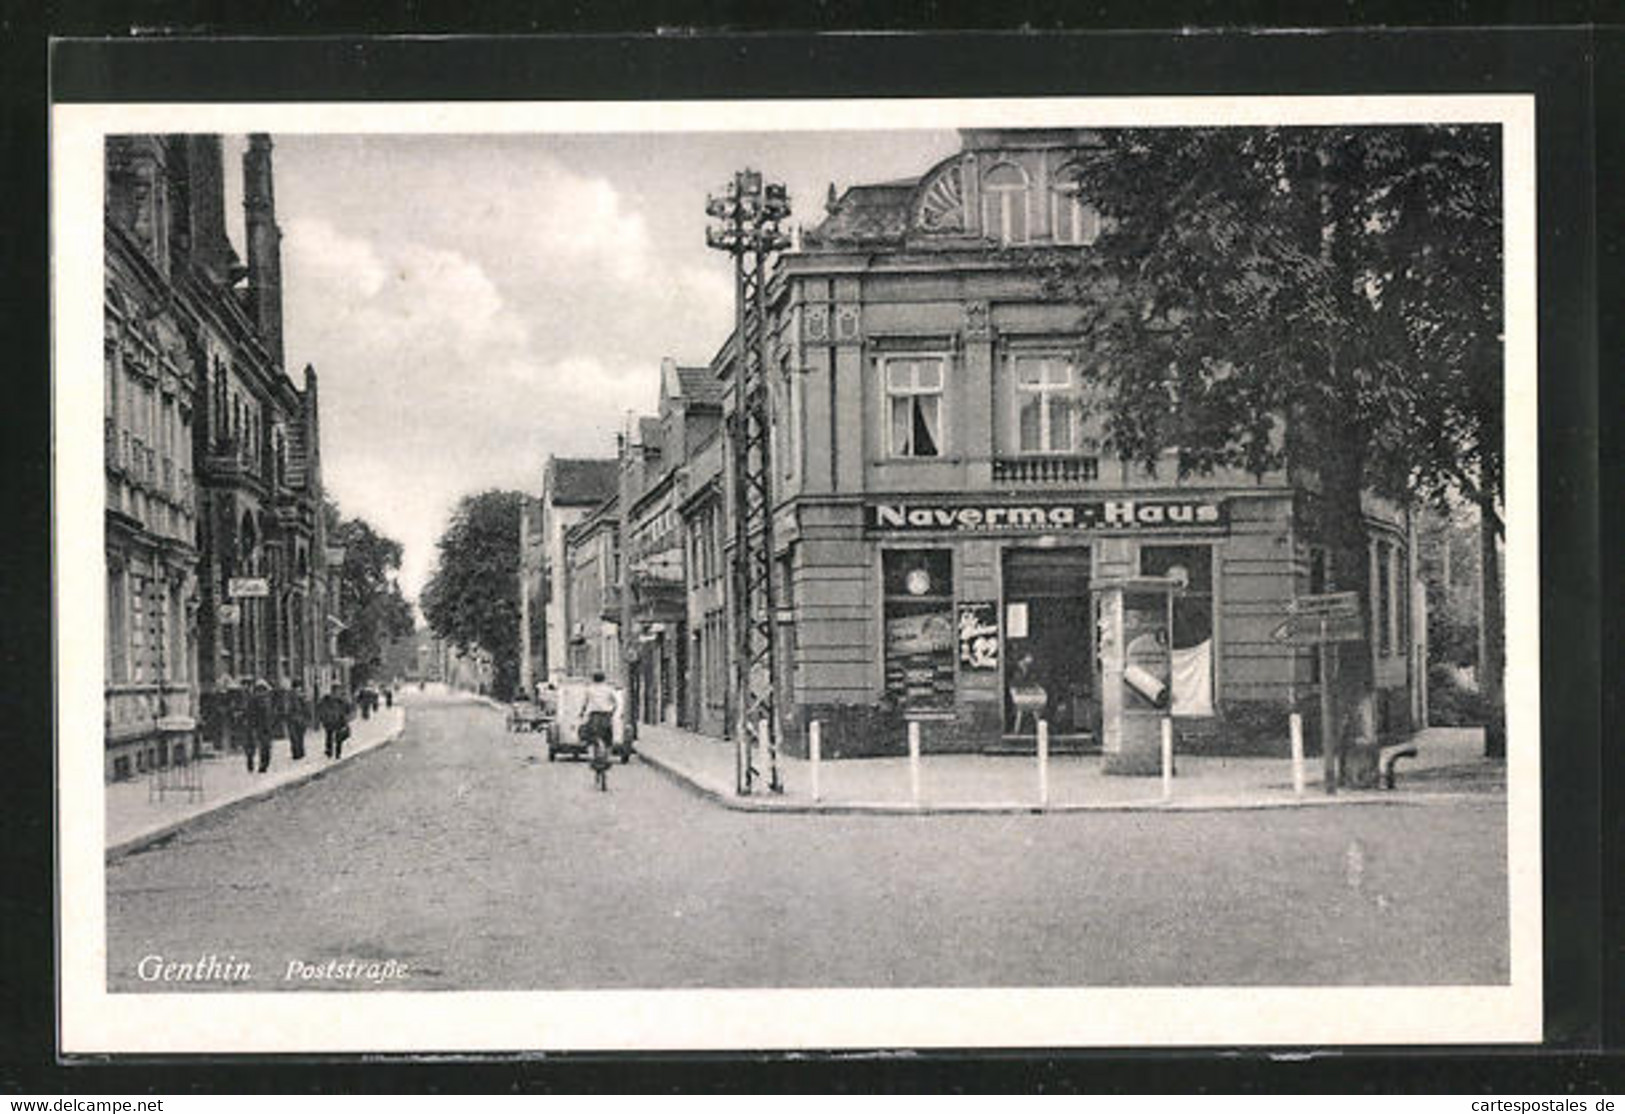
[261,719]
[598,727]
[334,713]
[296,714]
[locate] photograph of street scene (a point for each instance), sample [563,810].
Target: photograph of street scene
[986,556]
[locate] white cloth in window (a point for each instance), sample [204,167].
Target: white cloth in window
[1193,680]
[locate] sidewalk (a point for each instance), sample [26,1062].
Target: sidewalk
[137,817]
[1448,763]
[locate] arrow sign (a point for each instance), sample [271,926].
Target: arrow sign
[1308,630]
[1328,604]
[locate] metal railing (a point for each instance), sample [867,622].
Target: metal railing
[1046,469]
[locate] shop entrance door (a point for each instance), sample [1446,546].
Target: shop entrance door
[1049,639]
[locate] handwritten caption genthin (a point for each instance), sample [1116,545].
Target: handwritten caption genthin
[214,968]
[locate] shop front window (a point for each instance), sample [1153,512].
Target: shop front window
[919,628]
[914,405]
[1193,621]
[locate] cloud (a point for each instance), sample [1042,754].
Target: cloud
[434,385]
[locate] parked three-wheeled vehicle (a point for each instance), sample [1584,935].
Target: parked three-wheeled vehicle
[564,727]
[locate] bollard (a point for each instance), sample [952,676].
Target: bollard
[914,761]
[1043,763]
[1297,754]
[1167,758]
[815,753]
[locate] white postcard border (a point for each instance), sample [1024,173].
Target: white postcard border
[94,1021]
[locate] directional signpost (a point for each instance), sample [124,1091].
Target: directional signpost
[1322,621]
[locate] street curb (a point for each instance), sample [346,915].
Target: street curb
[879,808]
[159,835]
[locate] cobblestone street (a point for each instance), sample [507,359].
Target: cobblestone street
[461,853]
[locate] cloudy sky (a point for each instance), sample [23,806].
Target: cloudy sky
[472,304]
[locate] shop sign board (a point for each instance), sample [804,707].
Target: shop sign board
[248,587]
[228,613]
[1012,517]
[979,635]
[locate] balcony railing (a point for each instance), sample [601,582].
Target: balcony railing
[1042,470]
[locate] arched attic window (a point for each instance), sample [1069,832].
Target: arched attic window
[1074,220]
[1004,204]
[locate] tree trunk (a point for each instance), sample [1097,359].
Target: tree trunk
[1349,570]
[1492,661]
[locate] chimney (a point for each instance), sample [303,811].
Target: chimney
[206,207]
[264,245]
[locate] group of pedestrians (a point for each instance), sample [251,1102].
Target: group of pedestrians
[367,697]
[266,709]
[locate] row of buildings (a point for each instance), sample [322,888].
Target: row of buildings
[217,560]
[943,501]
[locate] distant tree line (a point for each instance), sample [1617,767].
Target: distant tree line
[472,598]
[370,603]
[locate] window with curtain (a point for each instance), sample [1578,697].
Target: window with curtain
[1004,204]
[1048,404]
[914,386]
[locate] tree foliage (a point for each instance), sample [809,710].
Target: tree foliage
[1321,299]
[370,603]
[472,599]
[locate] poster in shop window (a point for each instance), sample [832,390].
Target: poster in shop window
[919,656]
[979,635]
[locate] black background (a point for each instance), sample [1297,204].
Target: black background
[1579,134]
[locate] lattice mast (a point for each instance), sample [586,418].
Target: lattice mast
[749,215]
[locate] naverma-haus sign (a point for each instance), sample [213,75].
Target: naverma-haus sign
[1104,514]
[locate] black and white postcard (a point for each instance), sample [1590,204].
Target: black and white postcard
[797,574]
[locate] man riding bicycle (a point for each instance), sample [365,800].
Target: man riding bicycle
[598,726]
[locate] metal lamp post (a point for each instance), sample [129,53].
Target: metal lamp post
[749,215]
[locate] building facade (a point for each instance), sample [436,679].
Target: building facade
[571,488]
[655,462]
[150,381]
[217,562]
[947,510]
[945,497]
[592,611]
[705,520]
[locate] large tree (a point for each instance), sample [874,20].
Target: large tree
[472,600]
[370,603]
[1321,298]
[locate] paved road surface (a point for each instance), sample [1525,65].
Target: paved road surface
[462,853]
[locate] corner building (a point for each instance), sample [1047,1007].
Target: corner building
[945,500]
